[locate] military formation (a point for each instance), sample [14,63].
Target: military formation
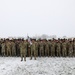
[37,48]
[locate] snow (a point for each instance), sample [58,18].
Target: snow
[41,66]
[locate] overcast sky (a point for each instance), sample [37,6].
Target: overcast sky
[36,17]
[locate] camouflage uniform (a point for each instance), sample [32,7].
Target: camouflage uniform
[64,50]
[8,47]
[70,49]
[33,50]
[37,48]
[23,50]
[0,48]
[3,49]
[13,48]
[53,48]
[47,49]
[41,48]
[17,48]
[49,42]
[28,49]
[74,47]
[58,49]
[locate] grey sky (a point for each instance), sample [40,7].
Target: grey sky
[52,17]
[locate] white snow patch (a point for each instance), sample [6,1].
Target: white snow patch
[41,66]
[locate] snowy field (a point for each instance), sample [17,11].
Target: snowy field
[41,66]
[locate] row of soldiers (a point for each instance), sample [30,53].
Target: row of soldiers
[60,47]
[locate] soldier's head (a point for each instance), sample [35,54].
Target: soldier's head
[49,39]
[33,40]
[41,40]
[59,39]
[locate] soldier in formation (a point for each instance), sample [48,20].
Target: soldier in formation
[33,49]
[3,48]
[23,49]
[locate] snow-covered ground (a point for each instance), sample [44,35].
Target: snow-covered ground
[41,66]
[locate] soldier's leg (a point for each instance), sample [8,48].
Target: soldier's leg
[31,54]
[37,52]
[24,57]
[48,52]
[10,52]
[21,57]
[35,55]
[74,51]
[45,52]
[54,53]
[51,52]
[57,52]
[40,52]
[65,53]
[62,53]
[15,53]
[4,53]
[7,52]
[28,52]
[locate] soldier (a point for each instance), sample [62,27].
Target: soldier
[0,48]
[17,47]
[64,50]
[28,49]
[41,48]
[70,48]
[49,42]
[33,49]
[47,48]
[3,48]
[13,48]
[8,47]
[37,45]
[53,44]
[23,49]
[58,48]
[74,47]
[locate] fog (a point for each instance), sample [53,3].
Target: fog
[37,17]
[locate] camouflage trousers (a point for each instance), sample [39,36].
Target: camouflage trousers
[47,52]
[37,52]
[23,55]
[64,52]
[33,53]
[3,52]
[41,52]
[70,52]
[8,52]
[74,51]
[53,52]
[13,52]
[58,52]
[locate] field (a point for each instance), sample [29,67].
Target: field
[41,66]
